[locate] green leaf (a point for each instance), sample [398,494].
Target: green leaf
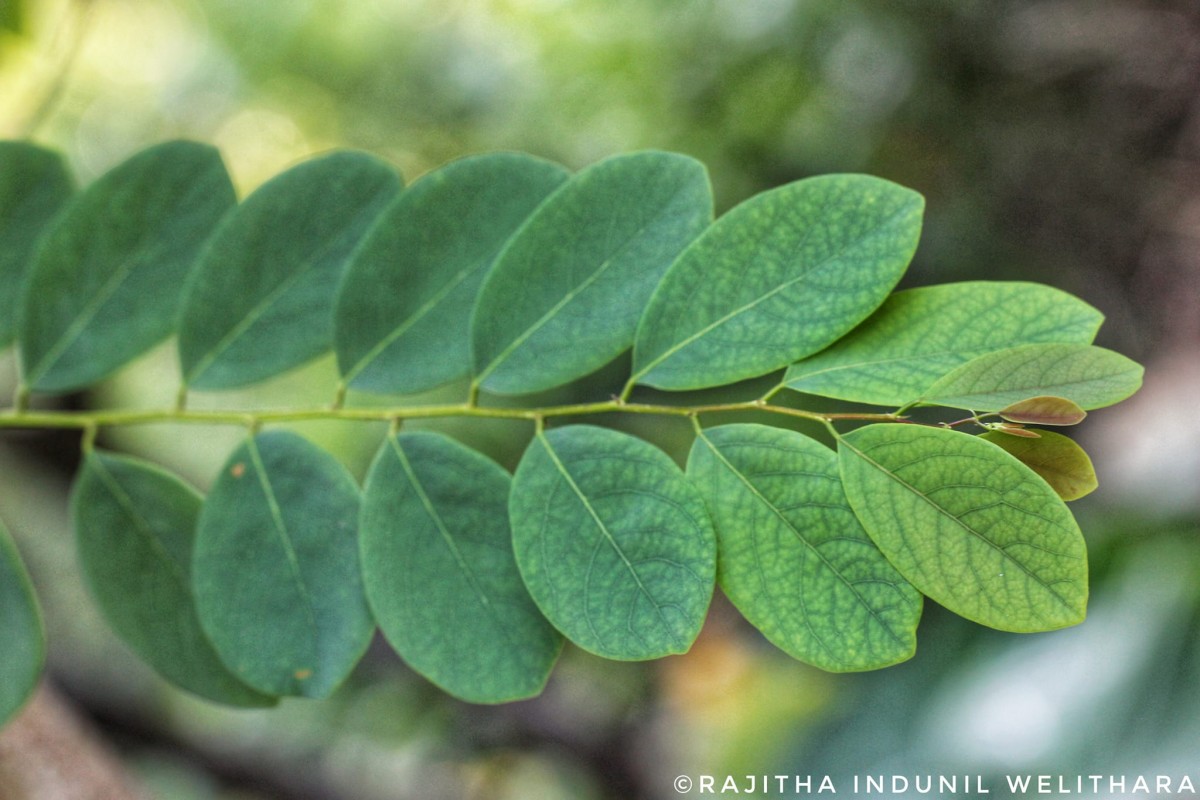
[1091,377]
[24,651]
[276,569]
[440,573]
[1044,410]
[615,545]
[566,293]
[779,277]
[34,186]
[261,298]
[1061,463]
[403,311]
[793,557]
[918,335]
[106,283]
[968,525]
[134,528]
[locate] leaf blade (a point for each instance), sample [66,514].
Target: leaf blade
[614,544]
[434,244]
[565,295]
[22,631]
[106,283]
[1089,376]
[1062,463]
[919,335]
[780,276]
[440,574]
[134,530]
[34,187]
[793,557]
[968,525]
[276,569]
[260,300]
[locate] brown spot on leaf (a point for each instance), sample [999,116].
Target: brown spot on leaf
[238,470]
[302,674]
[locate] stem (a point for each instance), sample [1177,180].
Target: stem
[25,418]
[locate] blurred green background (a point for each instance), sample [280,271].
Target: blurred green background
[1054,140]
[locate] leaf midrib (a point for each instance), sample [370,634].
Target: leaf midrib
[608,537]
[293,561]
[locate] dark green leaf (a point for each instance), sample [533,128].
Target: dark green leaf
[24,648]
[566,293]
[615,545]
[34,186]
[105,285]
[918,335]
[1091,377]
[793,557]
[1061,463]
[276,569]
[440,574]
[261,298]
[779,277]
[135,527]
[403,311]
[968,525]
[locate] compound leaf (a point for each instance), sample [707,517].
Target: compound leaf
[106,283]
[20,630]
[918,335]
[276,569]
[134,529]
[1058,459]
[440,574]
[34,186]
[613,542]
[261,298]
[779,277]
[566,293]
[1091,377]
[405,303]
[968,525]
[793,557]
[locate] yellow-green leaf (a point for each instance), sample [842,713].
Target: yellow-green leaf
[968,524]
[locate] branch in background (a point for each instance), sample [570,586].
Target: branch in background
[49,751]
